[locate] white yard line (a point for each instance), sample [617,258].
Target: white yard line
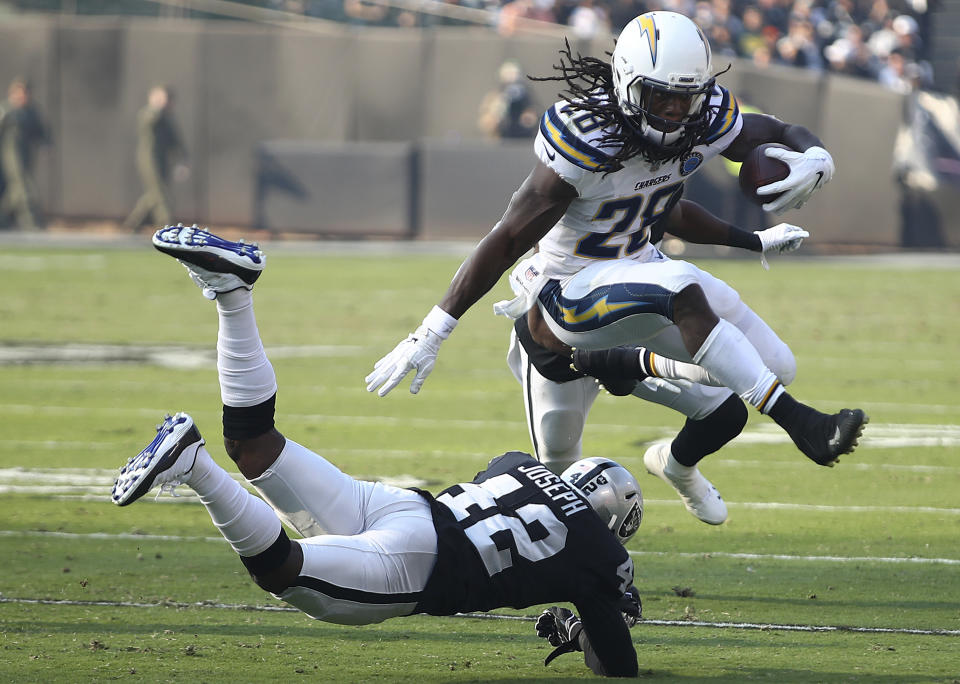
[93,484]
[494,616]
[876,435]
[667,554]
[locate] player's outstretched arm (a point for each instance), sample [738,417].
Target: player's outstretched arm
[533,210]
[694,223]
[607,647]
[811,166]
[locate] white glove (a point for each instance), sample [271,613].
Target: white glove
[417,352]
[808,171]
[782,237]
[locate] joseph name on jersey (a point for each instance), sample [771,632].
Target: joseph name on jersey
[611,217]
[519,535]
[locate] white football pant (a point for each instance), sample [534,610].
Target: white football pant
[368,548]
[656,332]
[557,412]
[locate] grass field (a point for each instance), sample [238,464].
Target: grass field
[849,574]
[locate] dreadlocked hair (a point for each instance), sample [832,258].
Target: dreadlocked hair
[589,89]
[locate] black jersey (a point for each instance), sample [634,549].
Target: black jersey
[518,536]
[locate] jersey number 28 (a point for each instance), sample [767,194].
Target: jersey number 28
[649,207]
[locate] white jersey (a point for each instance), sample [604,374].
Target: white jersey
[611,217]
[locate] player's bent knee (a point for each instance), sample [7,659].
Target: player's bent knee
[559,436]
[276,569]
[783,363]
[254,455]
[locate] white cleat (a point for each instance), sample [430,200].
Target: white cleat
[215,264]
[165,461]
[699,496]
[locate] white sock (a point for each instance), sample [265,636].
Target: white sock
[244,520]
[728,355]
[671,369]
[677,470]
[246,376]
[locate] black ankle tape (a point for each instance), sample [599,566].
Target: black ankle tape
[269,560]
[247,422]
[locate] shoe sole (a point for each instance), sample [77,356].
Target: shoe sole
[851,429]
[145,480]
[200,256]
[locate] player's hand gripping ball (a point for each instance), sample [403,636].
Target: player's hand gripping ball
[758,170]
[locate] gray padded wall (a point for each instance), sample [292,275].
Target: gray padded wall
[387,84]
[343,189]
[793,95]
[536,55]
[465,185]
[263,84]
[860,122]
[240,85]
[154,54]
[26,51]
[92,155]
[461,68]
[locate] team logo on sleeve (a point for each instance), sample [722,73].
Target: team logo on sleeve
[690,162]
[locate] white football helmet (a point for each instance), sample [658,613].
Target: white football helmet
[612,492]
[663,54]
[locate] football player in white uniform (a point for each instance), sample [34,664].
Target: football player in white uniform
[517,535]
[611,158]
[558,395]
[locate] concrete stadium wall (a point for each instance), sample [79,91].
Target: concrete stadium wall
[240,85]
[344,189]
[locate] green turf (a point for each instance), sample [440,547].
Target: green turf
[873,335]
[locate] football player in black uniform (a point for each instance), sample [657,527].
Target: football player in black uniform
[517,535]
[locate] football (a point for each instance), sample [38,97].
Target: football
[758,170]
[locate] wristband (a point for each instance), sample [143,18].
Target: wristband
[440,322]
[744,239]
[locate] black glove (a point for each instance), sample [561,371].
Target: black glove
[630,606]
[561,628]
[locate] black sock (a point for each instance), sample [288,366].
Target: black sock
[790,414]
[247,422]
[700,438]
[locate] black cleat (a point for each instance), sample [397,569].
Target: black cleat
[824,438]
[618,369]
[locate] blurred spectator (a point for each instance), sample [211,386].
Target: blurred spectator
[850,55]
[799,47]
[751,37]
[508,111]
[365,13]
[851,37]
[926,163]
[22,130]
[893,74]
[511,14]
[159,148]
[775,13]
[622,11]
[588,20]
